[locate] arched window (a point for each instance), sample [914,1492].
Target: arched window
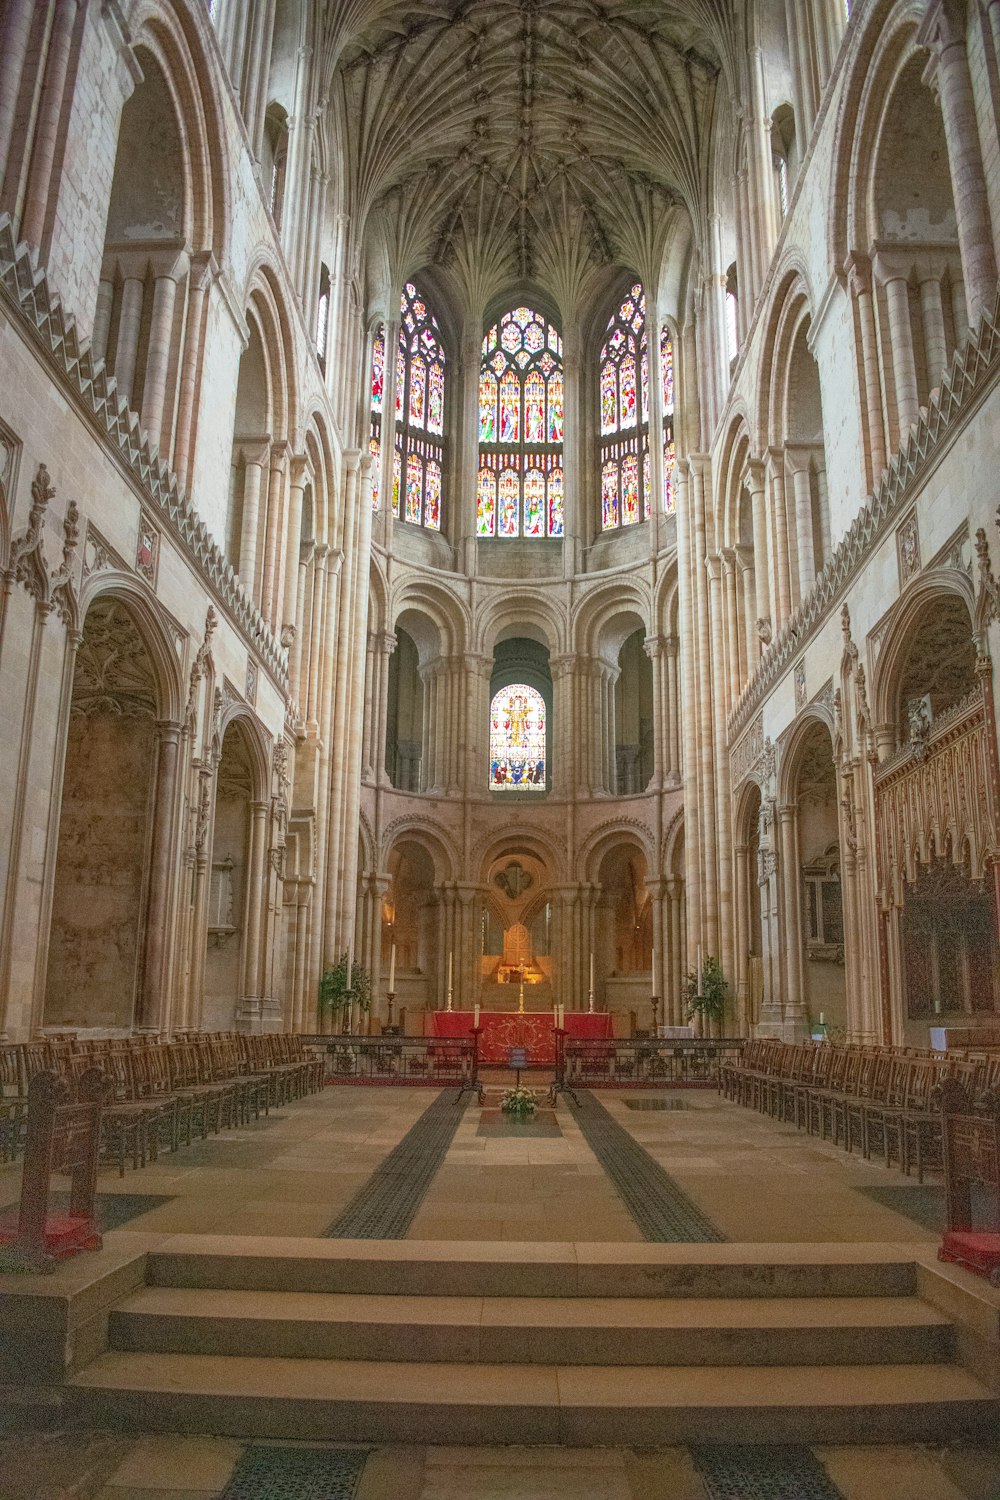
[520,487]
[418,453]
[517,739]
[626,483]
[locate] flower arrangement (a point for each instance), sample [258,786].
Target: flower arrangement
[519,1101]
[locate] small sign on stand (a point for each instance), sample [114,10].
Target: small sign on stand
[517,1060]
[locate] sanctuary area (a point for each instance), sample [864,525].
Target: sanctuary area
[499,774]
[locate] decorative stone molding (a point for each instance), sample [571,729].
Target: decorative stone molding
[26,293]
[908,549]
[974,368]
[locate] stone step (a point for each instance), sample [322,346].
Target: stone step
[521,1269]
[582,1405]
[533,1330]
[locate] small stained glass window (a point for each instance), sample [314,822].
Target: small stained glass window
[623,396]
[517,740]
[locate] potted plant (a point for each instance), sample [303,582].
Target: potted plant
[334,998]
[706,995]
[519,1102]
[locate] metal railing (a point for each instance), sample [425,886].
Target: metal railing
[644,1062]
[399,1060]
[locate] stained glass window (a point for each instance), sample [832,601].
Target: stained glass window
[517,739]
[520,488]
[623,393]
[419,412]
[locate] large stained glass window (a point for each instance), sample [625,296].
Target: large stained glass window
[517,740]
[520,487]
[418,436]
[623,391]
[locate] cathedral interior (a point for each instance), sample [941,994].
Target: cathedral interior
[497,554]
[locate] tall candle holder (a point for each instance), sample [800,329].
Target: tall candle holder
[520,1000]
[390,997]
[654,1001]
[448,1001]
[348,1009]
[590,1004]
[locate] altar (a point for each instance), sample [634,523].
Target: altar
[500,1031]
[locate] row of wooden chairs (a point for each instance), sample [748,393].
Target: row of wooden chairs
[879,1100]
[162,1093]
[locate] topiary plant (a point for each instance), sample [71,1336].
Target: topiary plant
[707,999]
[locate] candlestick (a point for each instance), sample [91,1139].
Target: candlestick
[700,969]
[451,958]
[392,967]
[520,1000]
[591,972]
[475,1016]
[391,997]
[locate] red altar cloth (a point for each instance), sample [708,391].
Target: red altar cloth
[499,1031]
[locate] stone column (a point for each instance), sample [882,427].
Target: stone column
[756,485]
[904,369]
[797,463]
[653,647]
[152,994]
[255,899]
[287,582]
[48,121]
[751,638]
[779,550]
[788,820]
[935,341]
[728,559]
[274,532]
[15,31]
[673,711]
[943,31]
[256,458]
[673,1007]
[858,270]
[388,431]
[102,317]
[203,272]
[161,327]
[127,347]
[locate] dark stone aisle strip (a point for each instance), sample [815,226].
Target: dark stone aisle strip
[296,1474]
[662,1211]
[765,1473]
[384,1208]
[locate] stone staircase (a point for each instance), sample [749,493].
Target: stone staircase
[624,1345]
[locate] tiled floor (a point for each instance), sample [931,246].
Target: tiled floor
[756,1179]
[198,1468]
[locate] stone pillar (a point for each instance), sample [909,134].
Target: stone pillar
[674,766]
[255,899]
[15,31]
[756,484]
[797,463]
[102,317]
[788,819]
[673,1008]
[935,341]
[202,273]
[779,551]
[161,327]
[859,275]
[286,602]
[944,32]
[256,458]
[751,638]
[897,295]
[48,121]
[152,994]
[728,558]
[127,347]
[274,532]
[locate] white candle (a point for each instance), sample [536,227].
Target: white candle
[392,970]
[591,971]
[653,968]
[350,963]
[475,1015]
[451,957]
[700,968]
[821,1021]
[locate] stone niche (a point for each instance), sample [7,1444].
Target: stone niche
[101,867]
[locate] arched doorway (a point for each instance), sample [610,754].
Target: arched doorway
[232,959]
[623,938]
[813,905]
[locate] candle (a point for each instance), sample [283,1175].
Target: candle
[350,963]
[451,957]
[821,1021]
[591,971]
[653,968]
[700,968]
[392,970]
[475,1015]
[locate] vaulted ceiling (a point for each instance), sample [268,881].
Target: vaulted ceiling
[540,141]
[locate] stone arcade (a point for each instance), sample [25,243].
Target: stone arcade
[505,491]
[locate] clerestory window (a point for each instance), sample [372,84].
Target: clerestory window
[520,489]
